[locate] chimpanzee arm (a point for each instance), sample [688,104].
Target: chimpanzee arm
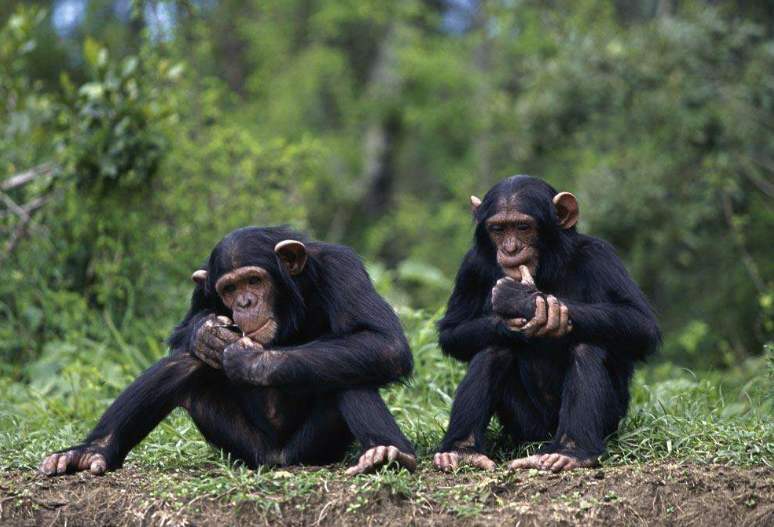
[334,363]
[132,416]
[616,316]
[469,326]
[614,326]
[464,340]
[364,345]
[370,421]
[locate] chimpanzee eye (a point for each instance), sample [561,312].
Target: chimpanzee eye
[495,228]
[523,226]
[253,280]
[230,288]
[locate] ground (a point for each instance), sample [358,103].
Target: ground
[658,494]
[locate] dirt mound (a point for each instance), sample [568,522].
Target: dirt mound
[667,494]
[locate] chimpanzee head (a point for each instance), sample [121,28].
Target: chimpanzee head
[522,221]
[251,277]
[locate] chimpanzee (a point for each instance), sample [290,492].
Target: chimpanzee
[278,361]
[551,357]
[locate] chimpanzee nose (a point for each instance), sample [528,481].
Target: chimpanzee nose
[244,301]
[510,246]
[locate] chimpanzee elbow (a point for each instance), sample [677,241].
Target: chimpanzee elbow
[446,342]
[399,359]
[649,339]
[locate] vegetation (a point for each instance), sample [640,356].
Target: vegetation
[133,135]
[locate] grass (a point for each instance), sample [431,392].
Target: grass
[675,416]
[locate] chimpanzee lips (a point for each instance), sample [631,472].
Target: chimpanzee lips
[250,321]
[259,332]
[511,261]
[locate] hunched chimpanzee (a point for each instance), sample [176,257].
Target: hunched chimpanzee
[279,361]
[552,356]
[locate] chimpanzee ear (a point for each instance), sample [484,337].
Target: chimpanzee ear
[199,276]
[475,203]
[566,209]
[293,255]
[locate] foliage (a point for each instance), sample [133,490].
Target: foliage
[370,123]
[675,414]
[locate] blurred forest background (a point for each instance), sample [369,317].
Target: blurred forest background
[135,133]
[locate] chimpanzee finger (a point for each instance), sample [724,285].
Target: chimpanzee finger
[547,461]
[226,335]
[538,320]
[446,461]
[48,467]
[380,455]
[553,310]
[515,324]
[532,461]
[63,462]
[407,461]
[208,353]
[481,461]
[526,276]
[564,317]
[356,469]
[559,464]
[97,465]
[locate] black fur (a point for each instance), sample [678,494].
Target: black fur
[574,389]
[342,342]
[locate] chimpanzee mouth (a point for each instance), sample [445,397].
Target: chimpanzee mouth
[512,261]
[260,331]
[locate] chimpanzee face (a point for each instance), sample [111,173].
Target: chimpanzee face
[515,235]
[249,293]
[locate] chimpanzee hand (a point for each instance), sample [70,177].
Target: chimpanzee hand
[512,299]
[93,457]
[551,317]
[211,338]
[246,361]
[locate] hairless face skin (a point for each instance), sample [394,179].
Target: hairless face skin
[514,234]
[247,292]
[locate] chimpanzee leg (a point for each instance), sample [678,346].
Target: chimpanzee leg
[131,417]
[521,418]
[595,397]
[216,410]
[322,439]
[370,421]
[475,400]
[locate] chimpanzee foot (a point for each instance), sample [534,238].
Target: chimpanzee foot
[554,462]
[378,456]
[75,460]
[448,461]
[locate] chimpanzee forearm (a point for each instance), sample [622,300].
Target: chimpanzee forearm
[370,421]
[465,340]
[614,326]
[139,408]
[328,364]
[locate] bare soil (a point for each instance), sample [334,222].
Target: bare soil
[665,494]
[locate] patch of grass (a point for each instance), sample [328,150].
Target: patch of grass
[675,415]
